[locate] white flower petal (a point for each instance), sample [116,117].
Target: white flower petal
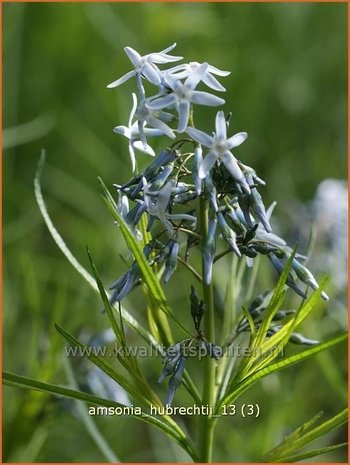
[178,68]
[204,98]
[184,113]
[213,83]
[132,157]
[137,144]
[123,130]
[270,210]
[200,137]
[207,164]
[121,80]
[133,110]
[152,132]
[151,73]
[195,77]
[220,125]
[162,102]
[169,49]
[217,71]
[156,123]
[165,116]
[172,81]
[134,56]
[180,75]
[236,140]
[232,166]
[163,58]
[142,133]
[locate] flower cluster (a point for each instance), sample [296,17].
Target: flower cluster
[196,167]
[168,188]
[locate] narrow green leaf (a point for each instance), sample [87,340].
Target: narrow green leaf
[149,276]
[290,446]
[250,321]
[311,453]
[274,305]
[320,430]
[15,380]
[242,386]
[282,448]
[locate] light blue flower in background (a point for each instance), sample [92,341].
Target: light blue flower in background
[219,149]
[184,94]
[145,65]
[187,69]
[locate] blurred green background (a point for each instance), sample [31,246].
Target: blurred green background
[288,90]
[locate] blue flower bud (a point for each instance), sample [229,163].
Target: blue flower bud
[171,262]
[228,234]
[297,338]
[282,314]
[211,192]
[125,284]
[209,250]
[197,160]
[175,380]
[259,208]
[197,308]
[166,156]
[161,178]
[307,277]
[123,204]
[238,226]
[290,280]
[134,215]
[171,360]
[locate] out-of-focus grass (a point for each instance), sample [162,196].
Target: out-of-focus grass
[287,90]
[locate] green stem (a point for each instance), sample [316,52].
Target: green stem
[191,269]
[206,425]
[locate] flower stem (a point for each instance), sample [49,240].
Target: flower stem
[206,425]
